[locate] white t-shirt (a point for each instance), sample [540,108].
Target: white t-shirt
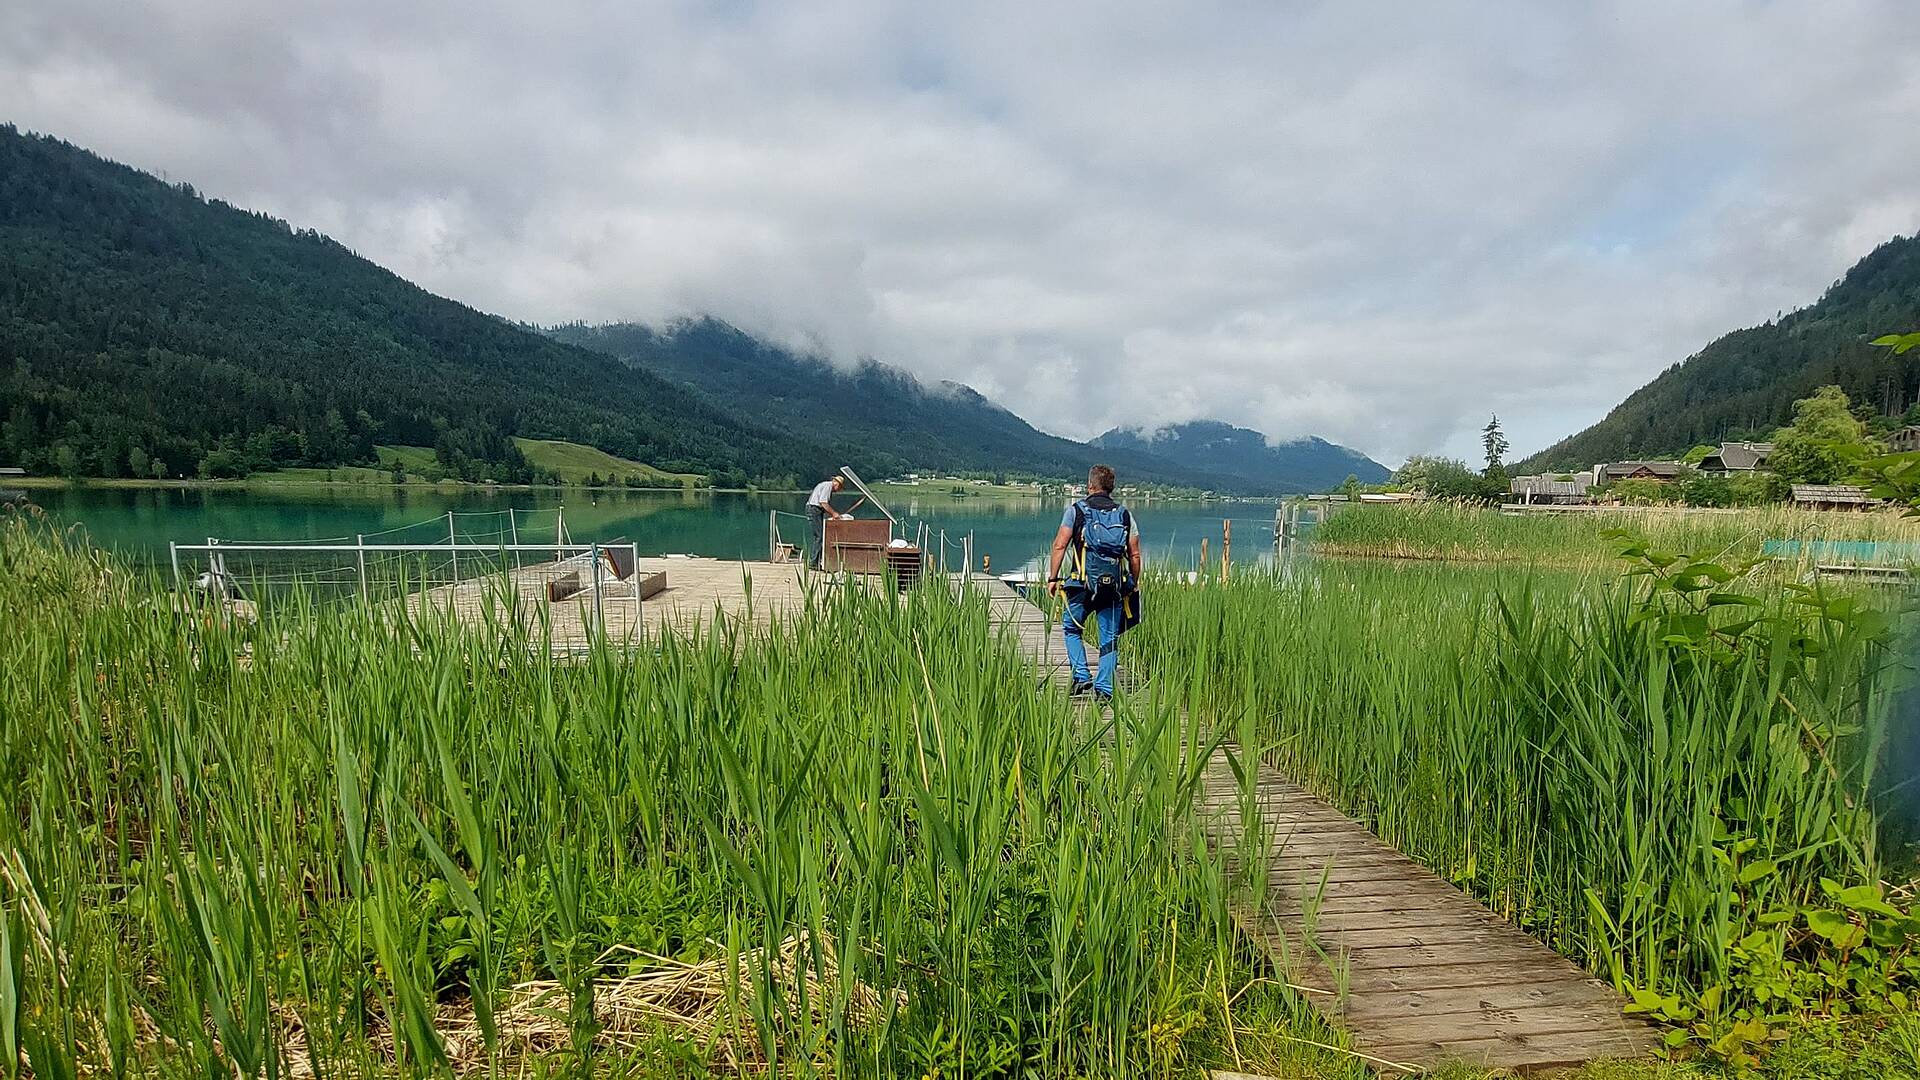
[822,492]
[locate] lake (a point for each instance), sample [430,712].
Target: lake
[139,523]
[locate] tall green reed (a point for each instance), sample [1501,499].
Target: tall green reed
[1543,743]
[304,842]
[1468,533]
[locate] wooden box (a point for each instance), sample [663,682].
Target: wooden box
[858,546]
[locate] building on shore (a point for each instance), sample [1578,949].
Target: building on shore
[1637,470]
[1737,457]
[1551,490]
[1833,497]
[1905,441]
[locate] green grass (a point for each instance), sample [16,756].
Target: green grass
[957,489]
[1638,799]
[414,459]
[335,834]
[574,463]
[1454,532]
[347,474]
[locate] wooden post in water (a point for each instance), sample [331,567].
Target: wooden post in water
[1226,548]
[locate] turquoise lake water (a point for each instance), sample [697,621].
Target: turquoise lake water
[139,523]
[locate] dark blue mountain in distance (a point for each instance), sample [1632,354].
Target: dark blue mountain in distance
[1301,465]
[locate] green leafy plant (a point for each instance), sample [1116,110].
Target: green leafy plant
[1899,344]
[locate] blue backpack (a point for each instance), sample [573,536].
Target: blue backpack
[1100,553]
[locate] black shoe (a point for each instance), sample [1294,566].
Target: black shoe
[1080,689]
[1102,698]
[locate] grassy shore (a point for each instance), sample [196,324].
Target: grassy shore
[1452,532]
[857,844]
[1674,792]
[350,477]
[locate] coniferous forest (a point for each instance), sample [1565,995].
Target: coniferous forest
[145,330]
[1744,384]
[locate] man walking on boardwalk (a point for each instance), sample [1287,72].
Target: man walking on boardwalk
[819,509]
[1100,547]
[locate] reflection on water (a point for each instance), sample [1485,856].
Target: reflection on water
[140,522]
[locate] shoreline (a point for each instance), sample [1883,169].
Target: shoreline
[267,483]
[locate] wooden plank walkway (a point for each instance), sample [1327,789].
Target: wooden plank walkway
[1415,970]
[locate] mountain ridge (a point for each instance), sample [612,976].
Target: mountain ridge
[901,422]
[1308,463]
[1743,384]
[146,329]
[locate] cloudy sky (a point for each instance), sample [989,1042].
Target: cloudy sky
[1374,222]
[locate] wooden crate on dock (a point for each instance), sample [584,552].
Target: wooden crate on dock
[858,546]
[906,564]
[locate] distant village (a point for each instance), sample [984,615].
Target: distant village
[1625,482]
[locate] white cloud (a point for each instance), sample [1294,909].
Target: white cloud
[1373,222]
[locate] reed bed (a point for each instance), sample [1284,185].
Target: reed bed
[1456,532]
[1531,736]
[347,840]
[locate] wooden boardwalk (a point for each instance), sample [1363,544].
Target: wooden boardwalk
[1415,970]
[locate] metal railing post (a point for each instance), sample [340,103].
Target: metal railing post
[599,610]
[513,536]
[773,535]
[173,553]
[360,559]
[453,541]
[639,624]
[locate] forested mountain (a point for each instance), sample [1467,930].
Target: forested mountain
[146,329]
[873,413]
[1302,465]
[1744,384]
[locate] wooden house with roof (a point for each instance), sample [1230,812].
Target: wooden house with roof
[1737,457]
[1639,470]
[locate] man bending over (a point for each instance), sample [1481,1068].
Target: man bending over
[819,509]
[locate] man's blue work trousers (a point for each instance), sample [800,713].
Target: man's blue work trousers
[1106,623]
[817,525]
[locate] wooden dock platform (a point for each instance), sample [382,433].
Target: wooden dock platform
[1416,971]
[697,591]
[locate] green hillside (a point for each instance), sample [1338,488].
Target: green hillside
[147,330]
[1744,384]
[574,464]
[413,459]
[875,417]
